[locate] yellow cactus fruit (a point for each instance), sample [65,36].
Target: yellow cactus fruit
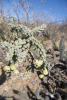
[29,72]
[7,68]
[45,71]
[41,76]
[12,67]
[16,71]
[37,62]
[20,60]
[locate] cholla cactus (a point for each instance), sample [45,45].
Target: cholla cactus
[25,30]
[42,50]
[9,48]
[61,48]
[39,29]
[19,48]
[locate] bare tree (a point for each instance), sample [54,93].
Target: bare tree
[26,7]
[2,8]
[16,9]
